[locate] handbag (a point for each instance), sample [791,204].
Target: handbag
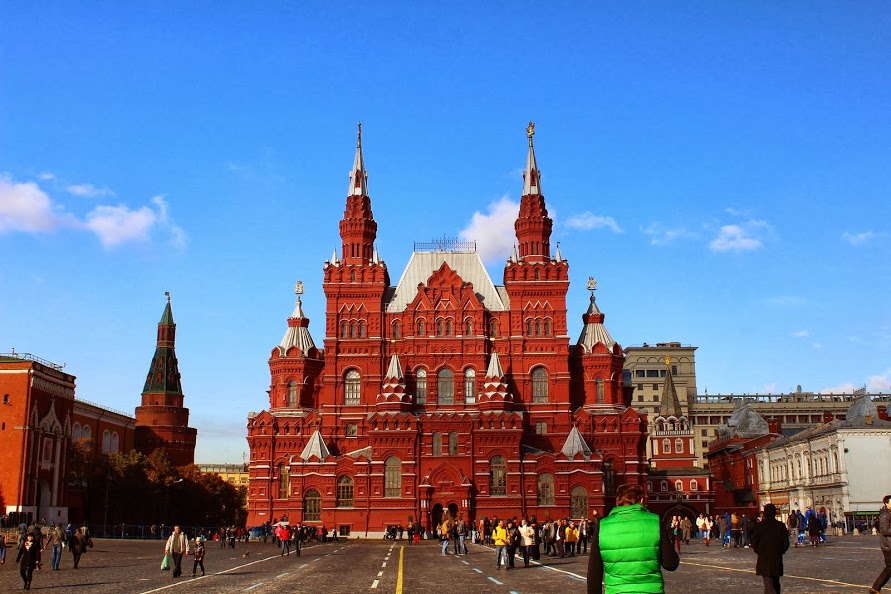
[165,562]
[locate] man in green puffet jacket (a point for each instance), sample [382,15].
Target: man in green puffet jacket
[629,548]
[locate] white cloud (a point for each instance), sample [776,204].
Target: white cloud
[493,231]
[879,383]
[734,238]
[118,224]
[801,334]
[840,389]
[46,175]
[660,235]
[860,238]
[588,220]
[769,389]
[735,212]
[818,346]
[25,207]
[88,190]
[177,235]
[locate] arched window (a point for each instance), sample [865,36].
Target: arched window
[353,272]
[493,329]
[678,486]
[600,396]
[397,330]
[609,478]
[362,329]
[353,331]
[445,387]
[437,444]
[539,385]
[663,486]
[106,441]
[649,486]
[312,506]
[392,477]
[470,386]
[421,328]
[345,492]
[421,386]
[440,328]
[679,446]
[548,331]
[352,387]
[545,489]
[449,328]
[292,393]
[468,327]
[578,503]
[115,442]
[528,327]
[344,330]
[497,476]
[284,482]
[453,444]
[538,327]
[75,432]
[694,485]
[666,446]
[87,432]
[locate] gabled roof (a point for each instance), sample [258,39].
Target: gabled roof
[468,265]
[315,447]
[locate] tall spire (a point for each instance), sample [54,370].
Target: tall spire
[163,375]
[358,229]
[533,226]
[358,176]
[670,405]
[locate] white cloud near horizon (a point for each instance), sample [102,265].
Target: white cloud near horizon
[880,382]
[734,238]
[860,238]
[588,220]
[493,231]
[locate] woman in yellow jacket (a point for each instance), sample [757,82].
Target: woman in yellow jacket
[501,539]
[572,537]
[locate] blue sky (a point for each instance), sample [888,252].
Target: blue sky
[722,168]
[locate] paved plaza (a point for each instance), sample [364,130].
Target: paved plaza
[847,564]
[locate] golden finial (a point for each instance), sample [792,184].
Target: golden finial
[667,360]
[359,138]
[530,131]
[298,288]
[592,284]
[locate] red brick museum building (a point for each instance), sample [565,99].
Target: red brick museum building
[445,392]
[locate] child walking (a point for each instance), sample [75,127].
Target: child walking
[199,555]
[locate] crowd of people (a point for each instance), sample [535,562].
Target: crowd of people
[36,538]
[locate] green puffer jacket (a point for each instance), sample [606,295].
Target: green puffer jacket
[629,545]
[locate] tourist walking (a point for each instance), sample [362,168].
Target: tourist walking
[199,555]
[27,559]
[770,541]
[527,541]
[77,545]
[885,544]
[629,548]
[177,546]
[501,539]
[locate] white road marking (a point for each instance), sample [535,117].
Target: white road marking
[384,564]
[477,570]
[374,584]
[496,581]
[380,574]
[248,589]
[281,575]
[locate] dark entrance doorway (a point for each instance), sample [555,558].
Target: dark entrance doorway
[453,510]
[436,517]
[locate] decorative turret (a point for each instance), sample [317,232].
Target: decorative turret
[393,395]
[594,331]
[495,394]
[358,228]
[533,226]
[297,334]
[162,421]
[670,405]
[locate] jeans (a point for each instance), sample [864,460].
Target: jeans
[500,555]
[57,556]
[445,546]
[462,547]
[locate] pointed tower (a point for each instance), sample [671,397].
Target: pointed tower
[671,436]
[162,421]
[295,365]
[358,229]
[533,226]
[601,360]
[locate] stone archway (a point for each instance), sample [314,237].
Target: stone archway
[436,516]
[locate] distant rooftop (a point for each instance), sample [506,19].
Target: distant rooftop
[444,244]
[14,356]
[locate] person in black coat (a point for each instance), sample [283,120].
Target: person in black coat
[27,559]
[770,541]
[885,543]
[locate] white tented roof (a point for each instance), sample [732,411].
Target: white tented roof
[468,265]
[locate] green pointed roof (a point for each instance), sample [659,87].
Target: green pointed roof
[167,317]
